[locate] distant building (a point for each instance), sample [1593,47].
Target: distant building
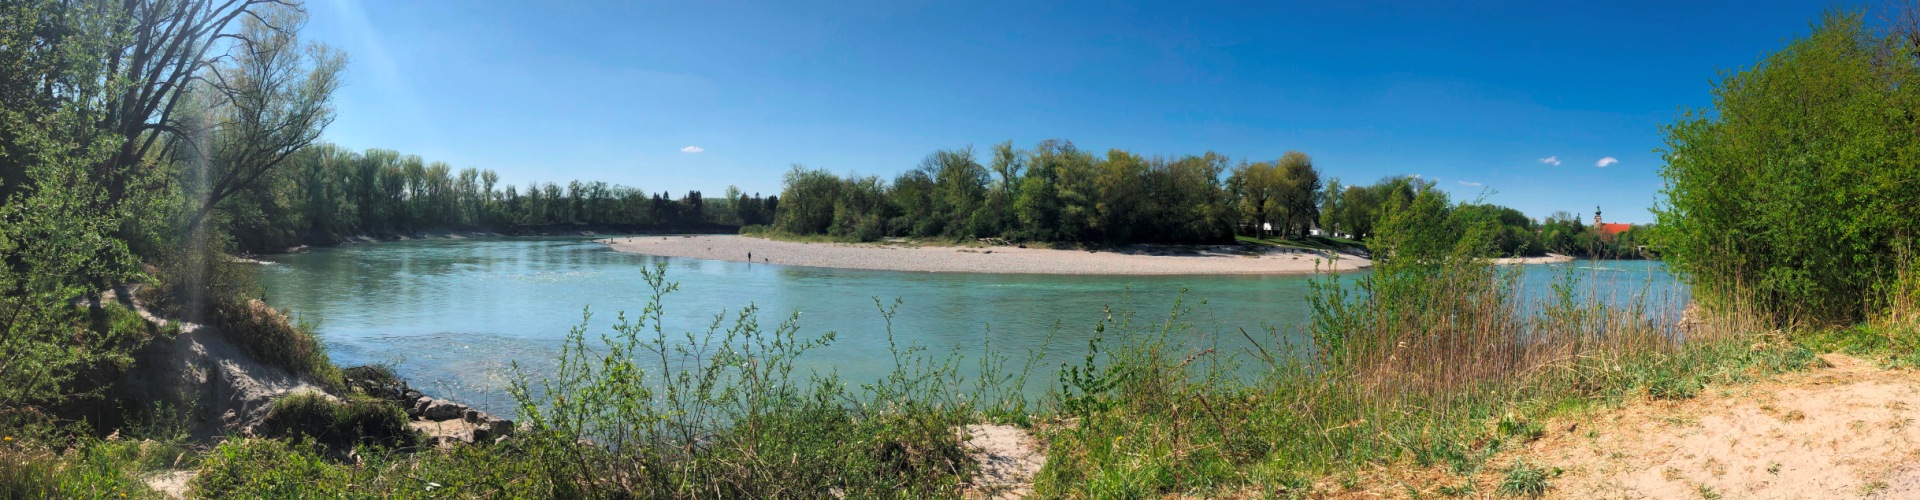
[1608,229]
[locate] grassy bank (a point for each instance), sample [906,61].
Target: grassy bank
[1436,360]
[1440,374]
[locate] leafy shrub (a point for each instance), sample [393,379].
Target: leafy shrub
[338,425]
[87,469]
[1800,206]
[269,468]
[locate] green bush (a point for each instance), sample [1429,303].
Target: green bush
[1799,189]
[338,425]
[270,468]
[29,469]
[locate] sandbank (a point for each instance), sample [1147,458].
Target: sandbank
[1129,260]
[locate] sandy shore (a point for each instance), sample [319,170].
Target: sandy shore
[1136,260]
[1552,258]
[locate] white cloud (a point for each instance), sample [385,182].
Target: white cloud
[1606,161]
[1551,160]
[1465,183]
[692,149]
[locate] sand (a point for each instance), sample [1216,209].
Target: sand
[1552,258]
[1133,260]
[1009,458]
[1845,431]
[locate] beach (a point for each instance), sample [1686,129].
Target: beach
[1128,260]
[1552,258]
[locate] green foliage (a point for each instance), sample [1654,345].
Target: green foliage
[1430,359]
[724,413]
[1796,191]
[1285,193]
[1053,193]
[269,468]
[1359,207]
[56,223]
[88,469]
[1514,426]
[325,193]
[338,425]
[1524,479]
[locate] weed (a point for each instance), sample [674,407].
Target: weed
[1514,426]
[1523,479]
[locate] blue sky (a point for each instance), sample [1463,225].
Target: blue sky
[1472,94]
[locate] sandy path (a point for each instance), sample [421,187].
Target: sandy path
[1009,458]
[1139,260]
[1842,432]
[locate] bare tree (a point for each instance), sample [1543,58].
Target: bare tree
[270,97]
[163,47]
[1903,21]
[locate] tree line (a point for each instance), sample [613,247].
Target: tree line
[326,192]
[1056,192]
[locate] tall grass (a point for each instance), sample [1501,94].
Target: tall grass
[1436,359]
[208,286]
[1464,366]
[724,413]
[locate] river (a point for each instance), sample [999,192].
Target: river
[451,315]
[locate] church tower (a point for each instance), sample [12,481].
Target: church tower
[1596,216]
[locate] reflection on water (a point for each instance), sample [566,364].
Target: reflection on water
[453,315]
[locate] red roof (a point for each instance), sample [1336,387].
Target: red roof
[1610,228]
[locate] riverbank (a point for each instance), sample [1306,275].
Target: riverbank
[1552,258]
[1130,260]
[587,230]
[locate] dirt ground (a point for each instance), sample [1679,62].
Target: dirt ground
[1008,456]
[1846,431]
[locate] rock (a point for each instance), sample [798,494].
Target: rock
[441,409]
[418,408]
[411,394]
[499,426]
[471,415]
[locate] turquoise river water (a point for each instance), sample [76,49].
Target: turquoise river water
[451,315]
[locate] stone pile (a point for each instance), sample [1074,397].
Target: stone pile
[444,422]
